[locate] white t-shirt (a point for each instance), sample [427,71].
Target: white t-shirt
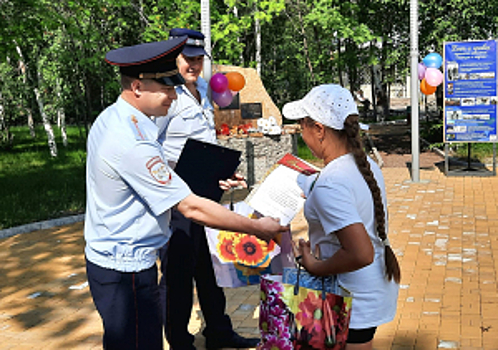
[341,197]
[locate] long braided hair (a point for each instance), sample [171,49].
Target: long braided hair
[351,132]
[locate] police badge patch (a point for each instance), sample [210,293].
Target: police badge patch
[159,170]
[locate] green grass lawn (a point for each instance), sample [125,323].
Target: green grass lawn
[36,187]
[33,185]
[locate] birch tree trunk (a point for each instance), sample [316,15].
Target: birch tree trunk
[241,56]
[2,118]
[339,54]
[4,130]
[31,123]
[61,117]
[23,70]
[305,43]
[257,29]
[6,138]
[52,146]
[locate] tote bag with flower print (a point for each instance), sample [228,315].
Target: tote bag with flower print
[301,311]
[240,259]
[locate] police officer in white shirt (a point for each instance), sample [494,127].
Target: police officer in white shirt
[191,116]
[130,191]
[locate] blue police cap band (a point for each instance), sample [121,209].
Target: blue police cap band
[192,42]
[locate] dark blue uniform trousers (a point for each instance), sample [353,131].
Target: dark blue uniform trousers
[129,306]
[184,259]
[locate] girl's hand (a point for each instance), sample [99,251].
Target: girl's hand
[301,251]
[307,255]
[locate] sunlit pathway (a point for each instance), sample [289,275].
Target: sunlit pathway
[444,229]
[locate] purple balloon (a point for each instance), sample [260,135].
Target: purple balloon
[218,83]
[433,76]
[421,71]
[222,99]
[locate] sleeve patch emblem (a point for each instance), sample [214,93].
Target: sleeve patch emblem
[159,171]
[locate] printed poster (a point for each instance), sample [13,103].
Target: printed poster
[470,93]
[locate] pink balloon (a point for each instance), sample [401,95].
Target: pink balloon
[218,83]
[222,99]
[234,93]
[433,76]
[421,71]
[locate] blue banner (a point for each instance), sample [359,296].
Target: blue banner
[470,93]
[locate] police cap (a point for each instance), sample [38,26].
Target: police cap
[195,43]
[156,60]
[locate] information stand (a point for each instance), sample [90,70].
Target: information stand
[470,100]
[469,170]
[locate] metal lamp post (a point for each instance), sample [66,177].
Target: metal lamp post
[206,30]
[414,90]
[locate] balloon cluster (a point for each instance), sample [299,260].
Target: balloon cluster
[225,87]
[429,74]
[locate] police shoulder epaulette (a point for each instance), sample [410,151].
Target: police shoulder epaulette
[136,128]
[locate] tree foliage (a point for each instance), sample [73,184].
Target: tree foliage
[58,47]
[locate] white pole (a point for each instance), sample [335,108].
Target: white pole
[414,90]
[206,30]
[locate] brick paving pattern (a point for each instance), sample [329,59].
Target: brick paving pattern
[444,230]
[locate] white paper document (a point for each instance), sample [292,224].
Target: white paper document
[279,194]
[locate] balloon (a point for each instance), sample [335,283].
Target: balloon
[421,71]
[236,81]
[433,76]
[222,99]
[234,93]
[433,60]
[427,89]
[218,82]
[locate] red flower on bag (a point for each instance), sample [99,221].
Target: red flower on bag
[249,250]
[311,317]
[311,314]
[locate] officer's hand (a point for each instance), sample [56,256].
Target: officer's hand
[269,228]
[237,180]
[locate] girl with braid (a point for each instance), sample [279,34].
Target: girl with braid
[346,211]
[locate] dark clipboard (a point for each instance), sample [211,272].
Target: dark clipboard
[201,165]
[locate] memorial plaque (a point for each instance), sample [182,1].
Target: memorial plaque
[251,110]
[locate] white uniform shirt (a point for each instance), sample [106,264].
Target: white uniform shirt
[341,197]
[130,190]
[187,118]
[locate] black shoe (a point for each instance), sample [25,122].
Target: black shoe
[236,341]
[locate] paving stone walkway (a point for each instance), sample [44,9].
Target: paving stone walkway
[444,230]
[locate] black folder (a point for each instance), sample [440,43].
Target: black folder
[201,165]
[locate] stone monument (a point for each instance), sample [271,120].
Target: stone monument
[260,151]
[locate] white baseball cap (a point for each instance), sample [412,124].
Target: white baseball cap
[329,104]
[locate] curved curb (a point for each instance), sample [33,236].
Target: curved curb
[9,232]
